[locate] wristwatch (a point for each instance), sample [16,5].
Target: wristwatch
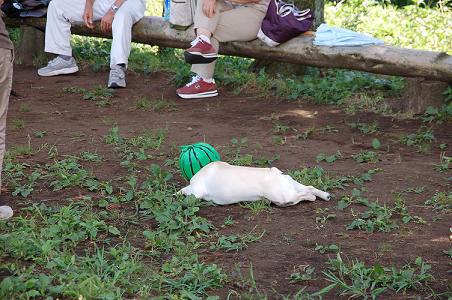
[114,8]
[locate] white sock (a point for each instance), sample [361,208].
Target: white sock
[208,80]
[205,38]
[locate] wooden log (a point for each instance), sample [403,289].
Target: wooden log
[419,94]
[374,59]
[30,50]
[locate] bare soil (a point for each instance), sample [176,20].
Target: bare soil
[74,125]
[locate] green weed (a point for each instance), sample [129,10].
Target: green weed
[444,164]
[90,156]
[421,139]
[235,156]
[99,94]
[329,158]
[333,248]
[25,107]
[236,242]
[17,123]
[375,218]
[142,103]
[305,273]
[441,201]
[323,215]
[438,115]
[357,280]
[257,207]
[365,128]
[366,157]
[40,133]
[317,177]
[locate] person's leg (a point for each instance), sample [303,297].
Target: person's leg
[238,24]
[128,14]
[201,50]
[60,15]
[247,19]
[6,77]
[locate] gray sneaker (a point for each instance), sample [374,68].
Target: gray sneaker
[117,77]
[59,66]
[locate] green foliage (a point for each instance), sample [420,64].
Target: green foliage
[401,208]
[323,215]
[98,94]
[375,218]
[411,26]
[322,249]
[317,177]
[355,198]
[135,148]
[328,158]
[236,242]
[90,156]
[25,107]
[17,123]
[355,279]
[235,157]
[366,157]
[257,207]
[365,128]
[439,115]
[40,133]
[441,201]
[421,139]
[305,274]
[445,163]
[144,103]
[45,261]
[376,144]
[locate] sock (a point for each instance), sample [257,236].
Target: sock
[205,38]
[208,80]
[65,57]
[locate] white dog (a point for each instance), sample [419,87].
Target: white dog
[224,184]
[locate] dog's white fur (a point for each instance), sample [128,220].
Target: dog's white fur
[225,184]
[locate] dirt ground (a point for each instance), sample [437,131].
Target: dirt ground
[74,125]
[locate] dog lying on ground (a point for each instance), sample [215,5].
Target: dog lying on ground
[225,184]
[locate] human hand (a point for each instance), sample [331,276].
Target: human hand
[208,8]
[88,16]
[106,21]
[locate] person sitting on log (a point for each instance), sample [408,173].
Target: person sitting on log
[116,16]
[218,21]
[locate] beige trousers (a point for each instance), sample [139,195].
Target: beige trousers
[240,23]
[6,80]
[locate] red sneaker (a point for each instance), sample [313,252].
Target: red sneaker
[201,52]
[198,88]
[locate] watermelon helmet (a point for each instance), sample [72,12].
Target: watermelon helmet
[194,157]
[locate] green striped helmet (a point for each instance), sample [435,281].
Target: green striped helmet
[194,157]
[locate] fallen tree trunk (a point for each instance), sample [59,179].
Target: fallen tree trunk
[375,59]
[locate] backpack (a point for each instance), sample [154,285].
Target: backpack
[25,8]
[181,13]
[283,22]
